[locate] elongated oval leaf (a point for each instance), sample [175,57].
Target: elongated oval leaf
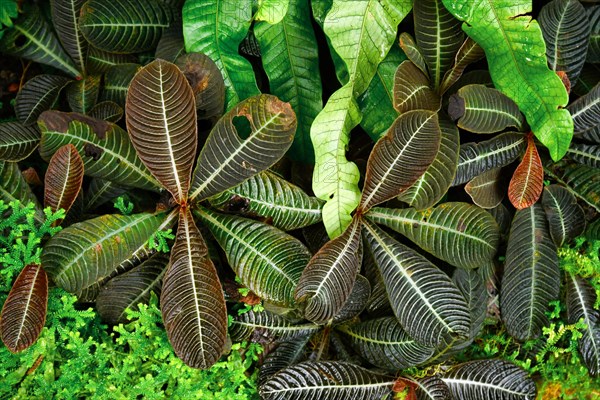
[438,36]
[413,52]
[127,26]
[17,141]
[481,109]
[476,158]
[38,95]
[487,190]
[128,290]
[266,327]
[329,277]
[116,82]
[32,38]
[86,251]
[566,218]
[82,95]
[161,122]
[216,28]
[489,379]
[191,302]
[527,182]
[107,111]
[586,154]
[229,157]
[580,300]
[459,233]
[428,305]
[63,179]
[566,31]
[291,61]
[105,148]
[379,303]
[357,300]
[383,343]
[412,91]
[284,355]
[14,188]
[472,286]
[266,260]
[500,27]
[268,195]
[207,84]
[435,182]
[65,17]
[582,181]
[586,114]
[326,380]
[468,53]
[24,311]
[401,156]
[531,276]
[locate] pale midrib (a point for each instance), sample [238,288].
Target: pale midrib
[586,317]
[26,309]
[491,153]
[377,341]
[497,111]
[586,107]
[476,383]
[533,286]
[277,206]
[64,184]
[321,387]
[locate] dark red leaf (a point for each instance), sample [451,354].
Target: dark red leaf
[527,182]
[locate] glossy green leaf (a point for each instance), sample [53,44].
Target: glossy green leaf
[107,111]
[476,158]
[38,95]
[438,36]
[488,189]
[82,95]
[207,84]
[401,156]
[580,300]
[412,90]
[481,109]
[582,181]
[99,61]
[268,195]
[566,218]
[87,251]
[586,114]
[428,305]
[531,276]
[65,17]
[566,30]
[461,234]
[362,36]
[127,26]
[593,55]
[161,122]
[272,11]
[230,156]
[24,311]
[377,102]
[116,82]
[468,53]
[413,52]
[32,38]
[17,141]
[191,301]
[329,277]
[291,61]
[326,380]
[383,343]
[105,148]
[14,188]
[216,28]
[266,327]
[267,261]
[489,379]
[128,290]
[519,71]
[435,182]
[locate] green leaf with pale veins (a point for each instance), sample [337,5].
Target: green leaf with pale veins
[14,188]
[520,71]
[273,11]
[216,28]
[291,61]
[362,36]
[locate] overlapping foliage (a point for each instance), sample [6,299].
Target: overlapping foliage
[415,263]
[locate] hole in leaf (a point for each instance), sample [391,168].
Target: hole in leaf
[20,40]
[242,126]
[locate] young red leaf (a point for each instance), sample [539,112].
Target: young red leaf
[527,182]
[63,178]
[24,312]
